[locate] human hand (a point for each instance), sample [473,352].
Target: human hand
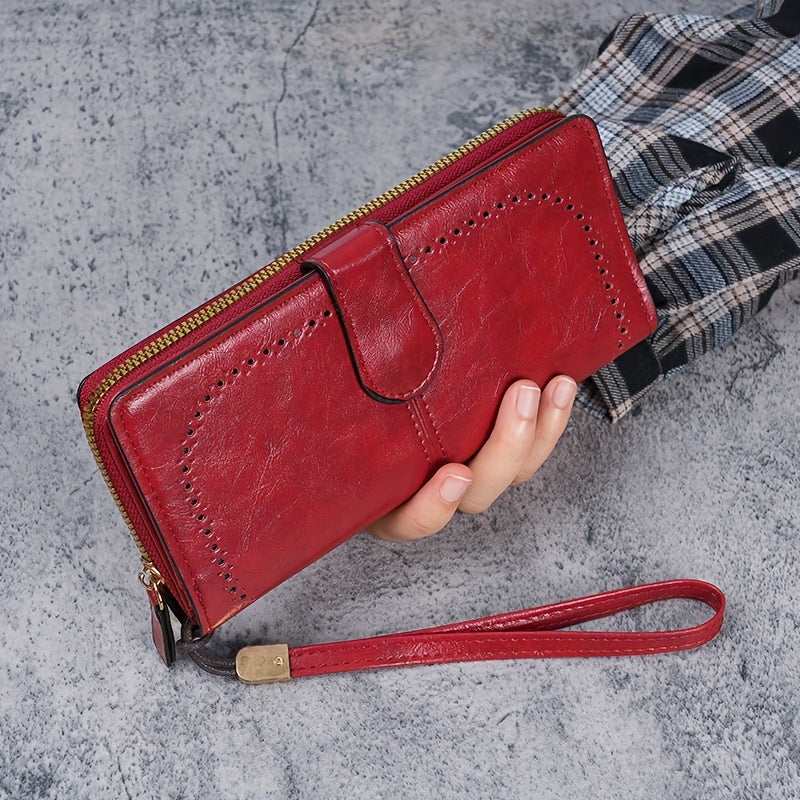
[528,426]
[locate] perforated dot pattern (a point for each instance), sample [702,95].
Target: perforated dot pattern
[206,530]
[524,197]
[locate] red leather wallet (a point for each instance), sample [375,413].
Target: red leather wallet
[351,368]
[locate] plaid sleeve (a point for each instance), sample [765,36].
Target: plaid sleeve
[700,119]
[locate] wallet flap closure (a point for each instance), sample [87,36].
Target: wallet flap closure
[394,341]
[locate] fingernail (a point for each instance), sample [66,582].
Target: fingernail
[453,488]
[527,401]
[564,393]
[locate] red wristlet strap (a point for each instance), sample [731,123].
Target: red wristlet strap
[530,633]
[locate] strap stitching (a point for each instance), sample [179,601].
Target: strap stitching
[520,653]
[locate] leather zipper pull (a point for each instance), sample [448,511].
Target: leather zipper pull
[160,618]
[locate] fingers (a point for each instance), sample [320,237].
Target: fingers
[429,510]
[555,408]
[499,461]
[528,426]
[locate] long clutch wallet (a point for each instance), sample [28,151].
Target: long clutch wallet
[258,432]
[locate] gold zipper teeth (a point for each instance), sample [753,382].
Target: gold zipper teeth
[215,307]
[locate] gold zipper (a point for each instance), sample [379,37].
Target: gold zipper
[226,300]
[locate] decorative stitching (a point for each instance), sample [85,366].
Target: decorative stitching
[674,639]
[410,408]
[432,424]
[523,652]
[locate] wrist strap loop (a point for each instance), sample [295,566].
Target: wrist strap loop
[529,633]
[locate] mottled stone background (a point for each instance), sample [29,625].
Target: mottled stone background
[151,154]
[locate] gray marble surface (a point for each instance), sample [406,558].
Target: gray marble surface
[152,154]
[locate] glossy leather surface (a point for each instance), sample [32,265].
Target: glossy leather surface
[260,448]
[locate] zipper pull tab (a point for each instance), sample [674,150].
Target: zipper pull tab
[160,620]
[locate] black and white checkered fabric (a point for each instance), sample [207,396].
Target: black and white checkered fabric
[700,118]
